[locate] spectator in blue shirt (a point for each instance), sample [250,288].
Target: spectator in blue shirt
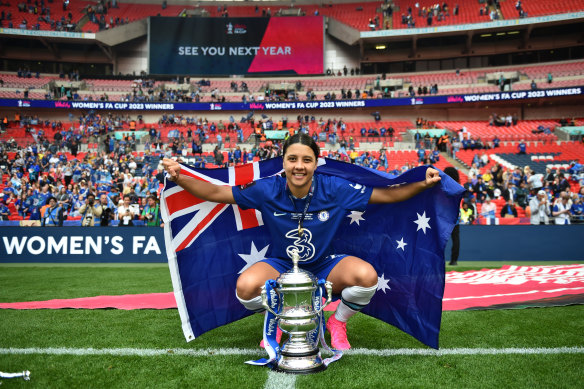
[8,188]
[4,211]
[496,141]
[237,156]
[522,147]
[421,155]
[577,210]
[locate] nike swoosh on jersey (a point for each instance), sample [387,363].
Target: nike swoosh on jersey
[279,214]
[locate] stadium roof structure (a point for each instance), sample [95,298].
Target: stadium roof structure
[550,32]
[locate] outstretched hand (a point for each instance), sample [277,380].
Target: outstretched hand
[172,167]
[432,177]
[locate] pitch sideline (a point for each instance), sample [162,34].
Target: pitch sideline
[209,352]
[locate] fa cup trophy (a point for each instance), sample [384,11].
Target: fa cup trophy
[299,316]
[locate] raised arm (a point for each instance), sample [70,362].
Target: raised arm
[394,194]
[201,189]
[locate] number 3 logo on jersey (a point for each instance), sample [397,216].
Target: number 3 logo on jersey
[302,244]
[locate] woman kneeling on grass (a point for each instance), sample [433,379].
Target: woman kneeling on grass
[303,212]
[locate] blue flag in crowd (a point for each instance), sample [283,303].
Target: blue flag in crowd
[210,244]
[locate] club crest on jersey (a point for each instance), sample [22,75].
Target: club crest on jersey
[323,216]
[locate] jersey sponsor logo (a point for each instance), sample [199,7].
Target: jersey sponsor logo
[323,216]
[279,214]
[302,244]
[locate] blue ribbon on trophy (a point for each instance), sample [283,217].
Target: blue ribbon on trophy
[270,328]
[314,335]
[337,354]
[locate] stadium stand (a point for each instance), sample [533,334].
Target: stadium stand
[468,12]
[539,156]
[540,8]
[360,16]
[566,74]
[524,129]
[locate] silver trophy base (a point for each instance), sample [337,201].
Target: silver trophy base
[306,363]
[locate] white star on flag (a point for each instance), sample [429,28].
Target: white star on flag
[253,257]
[422,222]
[401,244]
[382,283]
[355,217]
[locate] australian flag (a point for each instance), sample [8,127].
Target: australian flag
[209,245]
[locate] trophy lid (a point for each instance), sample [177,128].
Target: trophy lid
[296,277]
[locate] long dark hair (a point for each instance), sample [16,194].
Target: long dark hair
[303,139]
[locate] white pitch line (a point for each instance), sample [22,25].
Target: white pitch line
[209,352]
[141,352]
[466,351]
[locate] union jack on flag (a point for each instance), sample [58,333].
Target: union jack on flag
[208,245]
[203,213]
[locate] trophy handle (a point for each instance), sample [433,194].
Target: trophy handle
[265,301]
[329,296]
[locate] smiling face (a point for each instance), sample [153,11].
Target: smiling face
[299,166]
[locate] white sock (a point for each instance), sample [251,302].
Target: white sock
[255,304]
[343,312]
[353,299]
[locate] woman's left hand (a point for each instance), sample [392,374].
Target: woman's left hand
[432,177]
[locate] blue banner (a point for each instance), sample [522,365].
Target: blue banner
[82,244]
[297,105]
[146,244]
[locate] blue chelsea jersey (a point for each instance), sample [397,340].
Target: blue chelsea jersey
[333,199]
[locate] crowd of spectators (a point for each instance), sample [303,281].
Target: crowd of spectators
[98,14]
[125,184]
[545,198]
[50,181]
[343,72]
[148,90]
[196,93]
[118,186]
[521,12]
[434,13]
[503,120]
[42,10]
[422,90]
[49,187]
[24,72]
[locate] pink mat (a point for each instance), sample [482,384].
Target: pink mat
[126,301]
[510,284]
[470,289]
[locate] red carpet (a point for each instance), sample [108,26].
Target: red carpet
[464,290]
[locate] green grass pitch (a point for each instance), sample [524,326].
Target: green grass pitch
[211,361]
